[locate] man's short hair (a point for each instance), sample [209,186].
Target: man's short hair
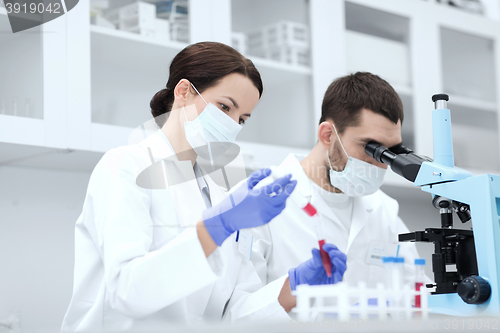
[348,95]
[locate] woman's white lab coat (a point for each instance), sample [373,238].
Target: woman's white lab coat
[138,261]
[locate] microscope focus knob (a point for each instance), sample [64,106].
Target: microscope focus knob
[474,290]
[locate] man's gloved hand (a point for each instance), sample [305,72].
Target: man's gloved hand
[312,271]
[248,207]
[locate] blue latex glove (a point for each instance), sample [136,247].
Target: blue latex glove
[312,271]
[248,207]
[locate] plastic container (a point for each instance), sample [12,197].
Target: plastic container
[281,33]
[283,41]
[179,21]
[293,55]
[164,8]
[135,17]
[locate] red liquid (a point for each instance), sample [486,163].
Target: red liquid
[309,209]
[417,297]
[327,264]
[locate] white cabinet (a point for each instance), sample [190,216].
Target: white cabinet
[377,41]
[32,89]
[448,51]
[473,101]
[286,106]
[84,88]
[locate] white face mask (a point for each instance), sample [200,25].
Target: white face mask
[211,126]
[358,178]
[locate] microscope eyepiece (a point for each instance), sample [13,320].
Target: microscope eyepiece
[401,159]
[380,153]
[440,97]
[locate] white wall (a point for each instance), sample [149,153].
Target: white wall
[38,210]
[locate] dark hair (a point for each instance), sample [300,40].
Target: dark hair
[204,64]
[346,96]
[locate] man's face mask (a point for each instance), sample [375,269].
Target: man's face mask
[358,178]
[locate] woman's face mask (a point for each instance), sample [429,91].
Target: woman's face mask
[212,126]
[358,177]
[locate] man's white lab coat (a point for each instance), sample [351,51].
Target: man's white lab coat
[288,239]
[139,262]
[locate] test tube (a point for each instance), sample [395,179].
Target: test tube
[393,278]
[419,279]
[327,264]
[300,200]
[399,263]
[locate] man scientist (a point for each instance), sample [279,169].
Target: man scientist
[342,183]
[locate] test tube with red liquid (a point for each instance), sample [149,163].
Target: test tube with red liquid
[419,279]
[301,201]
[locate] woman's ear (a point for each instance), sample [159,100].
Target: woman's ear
[325,132]
[182,92]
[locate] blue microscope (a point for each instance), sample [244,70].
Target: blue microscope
[473,289]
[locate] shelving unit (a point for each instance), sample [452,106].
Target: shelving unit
[285,106]
[21,95]
[472,97]
[105,78]
[32,90]
[126,72]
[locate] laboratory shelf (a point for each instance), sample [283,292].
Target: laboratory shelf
[370,16]
[476,147]
[126,71]
[385,36]
[22,130]
[248,16]
[268,64]
[367,20]
[131,51]
[21,61]
[468,63]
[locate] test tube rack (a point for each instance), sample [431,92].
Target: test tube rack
[345,302]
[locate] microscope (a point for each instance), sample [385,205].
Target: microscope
[471,289]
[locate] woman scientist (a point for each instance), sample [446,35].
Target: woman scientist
[150,255]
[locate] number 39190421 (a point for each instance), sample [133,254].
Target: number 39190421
[33,8]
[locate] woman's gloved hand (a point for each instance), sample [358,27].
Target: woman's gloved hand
[248,207]
[312,271]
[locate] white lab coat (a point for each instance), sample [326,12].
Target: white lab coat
[139,262]
[288,239]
